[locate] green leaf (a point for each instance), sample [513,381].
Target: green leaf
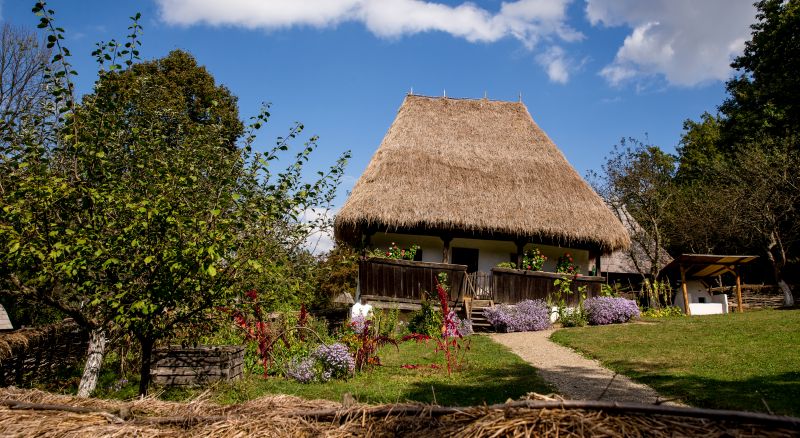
[212,271]
[148,259]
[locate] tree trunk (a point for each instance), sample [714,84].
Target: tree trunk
[94,360]
[144,372]
[788,298]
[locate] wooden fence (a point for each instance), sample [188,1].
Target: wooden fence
[510,286]
[40,355]
[407,280]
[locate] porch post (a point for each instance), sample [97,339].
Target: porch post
[739,308]
[685,291]
[520,248]
[446,248]
[597,267]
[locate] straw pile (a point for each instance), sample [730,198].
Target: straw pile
[55,415]
[476,166]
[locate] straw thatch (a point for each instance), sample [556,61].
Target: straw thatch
[38,414]
[477,166]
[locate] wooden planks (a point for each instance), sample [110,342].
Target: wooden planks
[409,280]
[176,366]
[511,286]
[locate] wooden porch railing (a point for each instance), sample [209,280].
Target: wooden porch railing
[407,280]
[510,286]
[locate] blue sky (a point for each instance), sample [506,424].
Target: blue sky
[590,71]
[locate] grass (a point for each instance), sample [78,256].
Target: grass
[747,361]
[491,374]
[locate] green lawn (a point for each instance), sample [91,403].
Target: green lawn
[492,374]
[737,361]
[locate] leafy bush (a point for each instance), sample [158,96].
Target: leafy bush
[608,310]
[525,316]
[507,265]
[664,312]
[426,321]
[573,317]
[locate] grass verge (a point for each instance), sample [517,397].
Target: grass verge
[491,374]
[748,361]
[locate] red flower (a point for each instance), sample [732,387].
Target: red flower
[252,294]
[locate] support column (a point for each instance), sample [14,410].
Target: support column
[597,267]
[520,248]
[446,248]
[739,308]
[685,291]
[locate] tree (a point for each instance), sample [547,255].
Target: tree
[150,207]
[737,166]
[764,98]
[23,59]
[637,183]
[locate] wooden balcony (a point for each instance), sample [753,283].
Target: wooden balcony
[406,282]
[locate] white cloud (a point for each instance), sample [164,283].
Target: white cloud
[687,41]
[555,64]
[529,21]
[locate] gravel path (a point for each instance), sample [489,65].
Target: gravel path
[574,376]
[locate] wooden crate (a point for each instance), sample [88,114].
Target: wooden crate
[179,366]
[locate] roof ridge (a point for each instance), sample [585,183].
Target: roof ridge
[476,99]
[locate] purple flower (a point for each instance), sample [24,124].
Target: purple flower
[303,371]
[608,310]
[335,359]
[525,316]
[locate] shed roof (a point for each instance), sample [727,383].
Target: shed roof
[480,166]
[707,265]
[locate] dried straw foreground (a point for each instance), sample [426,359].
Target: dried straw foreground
[29,413]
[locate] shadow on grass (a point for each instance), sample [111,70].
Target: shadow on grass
[776,393]
[485,386]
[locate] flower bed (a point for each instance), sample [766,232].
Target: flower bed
[608,310]
[525,316]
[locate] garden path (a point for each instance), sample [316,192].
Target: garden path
[572,375]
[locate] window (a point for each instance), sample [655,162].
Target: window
[701,299]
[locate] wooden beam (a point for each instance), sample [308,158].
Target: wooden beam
[446,248]
[685,291]
[739,308]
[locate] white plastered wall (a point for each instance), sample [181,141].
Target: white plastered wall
[712,305]
[491,252]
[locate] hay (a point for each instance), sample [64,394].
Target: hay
[292,416]
[479,166]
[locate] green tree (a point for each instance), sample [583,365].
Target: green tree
[637,183]
[148,206]
[764,98]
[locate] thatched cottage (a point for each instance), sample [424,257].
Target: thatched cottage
[475,182]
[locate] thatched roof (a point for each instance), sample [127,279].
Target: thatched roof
[479,166]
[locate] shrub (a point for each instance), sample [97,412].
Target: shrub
[302,370]
[566,264]
[507,265]
[664,312]
[335,359]
[608,310]
[525,316]
[426,321]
